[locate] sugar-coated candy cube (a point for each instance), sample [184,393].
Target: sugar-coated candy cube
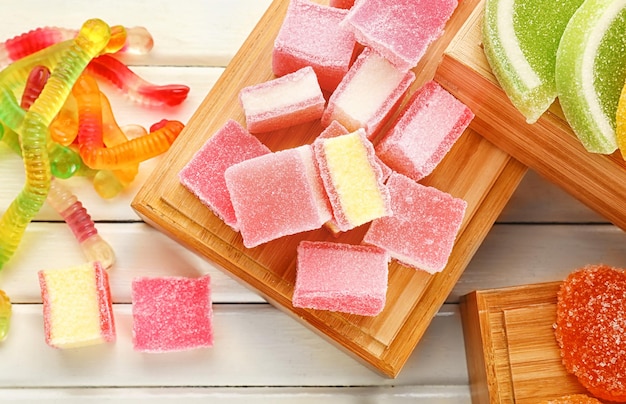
[400,30]
[341,277]
[277,194]
[352,179]
[425,222]
[286,101]
[427,129]
[367,94]
[77,309]
[311,35]
[203,175]
[172,313]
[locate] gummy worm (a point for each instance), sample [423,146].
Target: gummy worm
[92,38]
[64,162]
[81,224]
[5,315]
[90,142]
[61,199]
[138,41]
[134,87]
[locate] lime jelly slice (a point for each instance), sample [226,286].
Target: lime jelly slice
[520,40]
[591,70]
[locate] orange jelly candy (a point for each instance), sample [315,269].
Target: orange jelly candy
[573,399]
[591,329]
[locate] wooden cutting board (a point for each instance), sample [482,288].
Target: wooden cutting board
[549,146]
[474,170]
[512,353]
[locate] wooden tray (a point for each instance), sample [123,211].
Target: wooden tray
[512,353]
[474,170]
[549,146]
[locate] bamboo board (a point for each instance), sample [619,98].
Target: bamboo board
[512,353]
[474,170]
[549,146]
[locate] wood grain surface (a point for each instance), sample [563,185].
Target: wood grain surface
[512,353]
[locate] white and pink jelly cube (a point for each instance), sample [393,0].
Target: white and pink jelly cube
[368,93]
[424,225]
[311,35]
[341,277]
[429,126]
[286,101]
[172,313]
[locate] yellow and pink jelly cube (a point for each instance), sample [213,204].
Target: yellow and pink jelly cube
[367,94]
[77,307]
[424,225]
[286,101]
[172,313]
[341,277]
[276,195]
[203,175]
[311,35]
[352,178]
[429,126]
[400,30]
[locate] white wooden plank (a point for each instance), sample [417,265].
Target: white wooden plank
[523,254]
[140,251]
[186,33]
[265,395]
[255,345]
[538,201]
[510,255]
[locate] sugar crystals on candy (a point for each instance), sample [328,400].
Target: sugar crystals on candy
[367,94]
[341,277]
[172,313]
[352,179]
[590,327]
[424,225]
[277,194]
[427,129]
[77,308]
[286,101]
[311,35]
[400,30]
[203,175]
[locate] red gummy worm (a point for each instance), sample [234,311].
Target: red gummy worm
[136,88]
[34,85]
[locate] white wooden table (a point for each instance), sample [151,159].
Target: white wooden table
[260,354]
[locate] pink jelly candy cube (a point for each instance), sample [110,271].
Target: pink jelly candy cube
[277,194]
[172,313]
[352,179]
[341,277]
[311,35]
[289,100]
[77,307]
[427,129]
[424,225]
[400,30]
[203,175]
[367,94]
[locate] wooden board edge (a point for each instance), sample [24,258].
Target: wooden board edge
[492,204]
